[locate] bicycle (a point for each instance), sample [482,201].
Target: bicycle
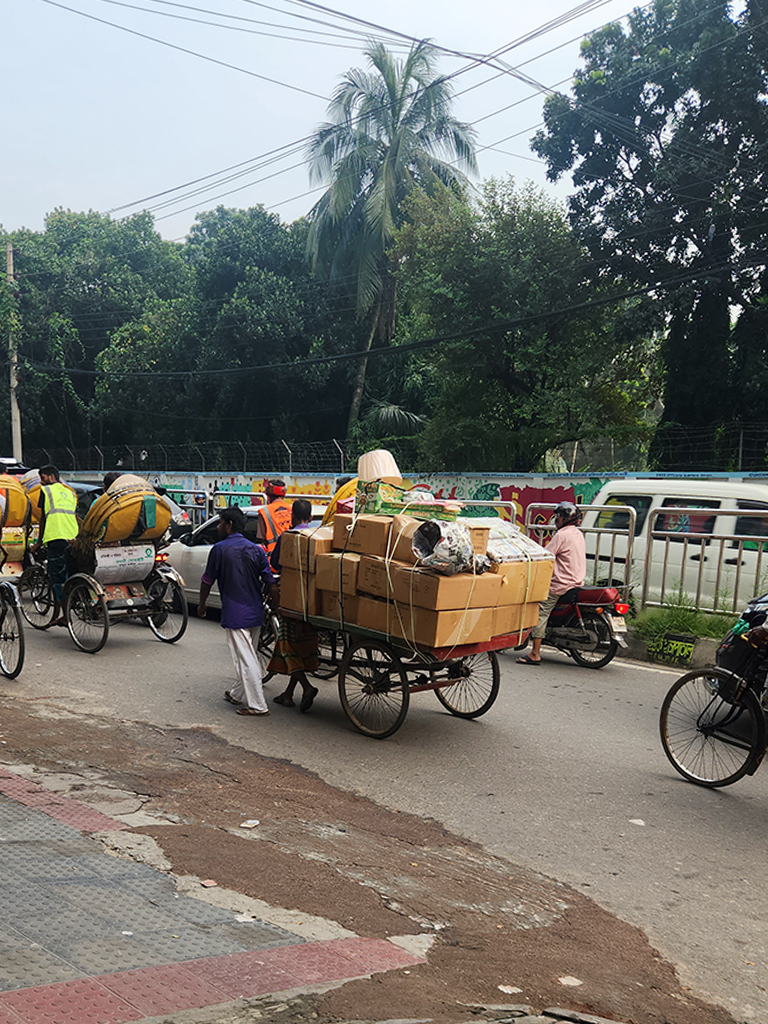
[712,721]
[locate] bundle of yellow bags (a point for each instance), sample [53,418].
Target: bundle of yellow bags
[130,510]
[15,503]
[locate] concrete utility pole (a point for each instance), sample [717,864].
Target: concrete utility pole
[13,362]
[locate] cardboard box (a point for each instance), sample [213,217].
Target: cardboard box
[331,608]
[426,589]
[370,535]
[511,618]
[335,571]
[373,577]
[515,580]
[478,533]
[446,628]
[299,593]
[374,614]
[403,529]
[300,548]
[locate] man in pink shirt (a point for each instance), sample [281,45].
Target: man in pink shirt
[567,545]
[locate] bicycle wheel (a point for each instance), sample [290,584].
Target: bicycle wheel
[475,685]
[330,651]
[373,688]
[168,615]
[603,647]
[87,619]
[11,637]
[267,638]
[36,597]
[710,737]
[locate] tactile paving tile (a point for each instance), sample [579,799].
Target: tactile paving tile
[194,911]
[373,955]
[187,942]
[247,974]
[166,989]
[24,967]
[75,1002]
[62,808]
[60,930]
[128,910]
[106,955]
[250,935]
[7,1016]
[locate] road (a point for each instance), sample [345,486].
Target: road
[565,775]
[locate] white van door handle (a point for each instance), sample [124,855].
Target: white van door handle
[698,558]
[733,561]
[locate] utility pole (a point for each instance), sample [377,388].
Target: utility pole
[13,362]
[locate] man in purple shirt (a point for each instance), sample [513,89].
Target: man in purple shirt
[240,568]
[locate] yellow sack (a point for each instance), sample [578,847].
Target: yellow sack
[130,510]
[13,501]
[346,491]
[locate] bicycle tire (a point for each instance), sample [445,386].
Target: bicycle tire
[476,686]
[12,644]
[169,615]
[87,617]
[373,688]
[36,597]
[710,736]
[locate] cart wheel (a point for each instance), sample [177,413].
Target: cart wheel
[267,638]
[11,637]
[169,614]
[36,596]
[330,650]
[87,619]
[475,685]
[373,688]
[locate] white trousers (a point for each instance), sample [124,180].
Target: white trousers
[243,646]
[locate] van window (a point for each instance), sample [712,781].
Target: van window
[620,520]
[686,523]
[751,526]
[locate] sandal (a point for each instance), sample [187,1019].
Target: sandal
[228,696]
[285,701]
[251,711]
[308,698]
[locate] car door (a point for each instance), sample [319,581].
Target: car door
[190,556]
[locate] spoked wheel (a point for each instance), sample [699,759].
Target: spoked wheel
[476,685]
[710,736]
[599,635]
[87,619]
[11,637]
[373,688]
[330,651]
[168,613]
[267,638]
[36,597]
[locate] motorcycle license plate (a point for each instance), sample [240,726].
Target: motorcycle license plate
[619,624]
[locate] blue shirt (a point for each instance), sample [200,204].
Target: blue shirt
[240,567]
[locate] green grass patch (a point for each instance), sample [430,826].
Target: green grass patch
[654,622]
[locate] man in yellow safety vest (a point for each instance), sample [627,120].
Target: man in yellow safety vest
[58,526]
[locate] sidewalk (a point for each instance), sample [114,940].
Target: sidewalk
[88,937]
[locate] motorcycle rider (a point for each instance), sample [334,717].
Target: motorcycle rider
[567,545]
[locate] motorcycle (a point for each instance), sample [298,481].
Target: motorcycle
[588,625]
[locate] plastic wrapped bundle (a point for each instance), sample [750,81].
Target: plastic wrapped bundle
[445,547]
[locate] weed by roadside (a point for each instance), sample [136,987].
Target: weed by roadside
[655,622]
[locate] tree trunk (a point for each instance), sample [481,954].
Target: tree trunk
[362,366]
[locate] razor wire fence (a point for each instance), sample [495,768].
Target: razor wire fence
[322,457]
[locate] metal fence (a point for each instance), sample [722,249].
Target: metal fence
[329,457]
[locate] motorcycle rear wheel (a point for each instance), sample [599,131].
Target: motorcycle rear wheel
[605,647]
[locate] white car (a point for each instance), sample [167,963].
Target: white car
[189,554]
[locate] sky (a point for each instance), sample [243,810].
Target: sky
[96,118]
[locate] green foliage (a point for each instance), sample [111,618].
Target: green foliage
[656,622]
[666,137]
[503,398]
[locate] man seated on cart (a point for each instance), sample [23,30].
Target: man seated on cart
[295,651]
[58,527]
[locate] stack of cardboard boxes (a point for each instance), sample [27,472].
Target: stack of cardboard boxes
[364,572]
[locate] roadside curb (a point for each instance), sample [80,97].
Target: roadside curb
[703,655]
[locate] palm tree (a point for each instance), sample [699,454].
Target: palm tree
[390,130]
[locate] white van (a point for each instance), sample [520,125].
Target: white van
[690,559]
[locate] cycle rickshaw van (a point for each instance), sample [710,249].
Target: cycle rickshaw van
[115,573]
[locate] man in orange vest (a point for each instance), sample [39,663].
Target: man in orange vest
[275,517]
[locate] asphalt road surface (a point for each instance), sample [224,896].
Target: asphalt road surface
[565,774]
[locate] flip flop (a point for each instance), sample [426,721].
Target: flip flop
[526,660]
[251,711]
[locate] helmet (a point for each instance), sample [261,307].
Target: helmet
[569,512]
